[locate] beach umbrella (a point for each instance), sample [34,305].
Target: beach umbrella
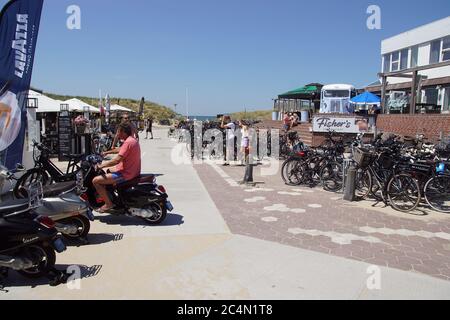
[366,98]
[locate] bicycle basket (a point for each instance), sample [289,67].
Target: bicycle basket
[363,158]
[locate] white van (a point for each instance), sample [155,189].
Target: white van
[335,98]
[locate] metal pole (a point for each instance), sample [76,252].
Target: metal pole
[383,94]
[413,93]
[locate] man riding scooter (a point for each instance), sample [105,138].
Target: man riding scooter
[125,167]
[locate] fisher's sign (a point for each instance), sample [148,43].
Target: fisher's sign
[340,125]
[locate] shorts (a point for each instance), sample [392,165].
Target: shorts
[118,178]
[149,129]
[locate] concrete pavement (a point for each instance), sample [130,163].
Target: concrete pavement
[194,255]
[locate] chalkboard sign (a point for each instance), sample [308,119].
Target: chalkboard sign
[65,134]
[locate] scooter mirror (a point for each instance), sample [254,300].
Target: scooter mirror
[20,167]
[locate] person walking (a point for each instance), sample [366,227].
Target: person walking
[149,127]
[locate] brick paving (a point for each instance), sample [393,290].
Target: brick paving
[320,221]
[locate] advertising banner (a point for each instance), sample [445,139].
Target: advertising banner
[19,27]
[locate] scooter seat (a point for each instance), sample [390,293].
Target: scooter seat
[12,206]
[57,189]
[147,178]
[144,178]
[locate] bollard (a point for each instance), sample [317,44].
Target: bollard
[248,178]
[350,184]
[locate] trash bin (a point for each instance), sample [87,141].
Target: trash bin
[304,116]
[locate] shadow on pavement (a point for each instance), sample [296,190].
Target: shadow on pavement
[95,239]
[16,280]
[171,220]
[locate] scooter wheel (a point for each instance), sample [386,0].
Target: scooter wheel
[47,257]
[83,224]
[160,213]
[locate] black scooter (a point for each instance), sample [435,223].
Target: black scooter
[141,197]
[28,241]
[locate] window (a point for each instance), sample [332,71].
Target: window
[446,106]
[414,56]
[404,59]
[336,94]
[395,64]
[435,51]
[446,49]
[387,63]
[431,96]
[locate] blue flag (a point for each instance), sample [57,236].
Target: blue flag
[19,27]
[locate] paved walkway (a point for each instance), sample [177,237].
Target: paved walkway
[197,255]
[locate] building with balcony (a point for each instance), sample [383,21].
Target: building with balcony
[415,70]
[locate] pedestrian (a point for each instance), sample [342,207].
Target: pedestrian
[245,141]
[287,122]
[231,137]
[149,127]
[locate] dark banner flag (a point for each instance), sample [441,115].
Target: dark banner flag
[141,108]
[19,27]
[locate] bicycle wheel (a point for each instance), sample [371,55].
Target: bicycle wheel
[437,193]
[31,176]
[285,171]
[295,173]
[332,177]
[376,190]
[403,193]
[363,184]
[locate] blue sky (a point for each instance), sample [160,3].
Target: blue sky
[231,54]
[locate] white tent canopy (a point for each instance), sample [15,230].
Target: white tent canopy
[76,105]
[45,104]
[116,107]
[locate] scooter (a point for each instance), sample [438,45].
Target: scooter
[61,203]
[141,197]
[28,241]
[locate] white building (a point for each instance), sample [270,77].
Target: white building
[422,46]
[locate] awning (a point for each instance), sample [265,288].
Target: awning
[76,105]
[45,104]
[308,92]
[116,107]
[407,85]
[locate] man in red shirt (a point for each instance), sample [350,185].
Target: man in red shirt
[126,166]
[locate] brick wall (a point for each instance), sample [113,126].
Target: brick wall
[410,125]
